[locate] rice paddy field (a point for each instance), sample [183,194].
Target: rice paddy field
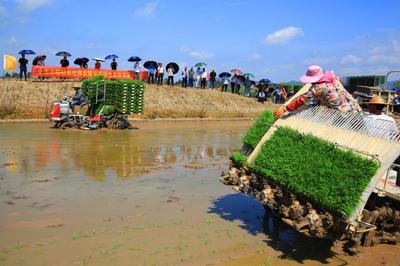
[149,196]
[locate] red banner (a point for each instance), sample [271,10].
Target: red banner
[70,72]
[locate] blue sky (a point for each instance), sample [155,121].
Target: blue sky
[272,39]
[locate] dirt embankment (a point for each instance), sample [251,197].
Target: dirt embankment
[32,100]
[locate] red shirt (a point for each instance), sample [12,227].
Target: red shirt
[97,65]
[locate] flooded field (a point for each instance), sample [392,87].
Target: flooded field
[149,196]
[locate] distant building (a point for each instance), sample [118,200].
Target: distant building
[353,83]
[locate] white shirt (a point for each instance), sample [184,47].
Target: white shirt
[204,74]
[137,67]
[160,69]
[381,125]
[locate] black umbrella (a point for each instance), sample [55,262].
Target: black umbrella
[37,58]
[63,53]
[224,74]
[264,81]
[81,60]
[148,64]
[134,59]
[174,66]
[241,77]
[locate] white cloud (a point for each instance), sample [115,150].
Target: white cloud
[255,56]
[389,54]
[31,5]
[203,55]
[320,61]
[378,50]
[384,58]
[147,10]
[396,46]
[350,71]
[350,59]
[381,70]
[362,70]
[12,41]
[284,35]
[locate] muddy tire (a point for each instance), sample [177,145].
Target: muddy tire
[67,125]
[387,221]
[119,123]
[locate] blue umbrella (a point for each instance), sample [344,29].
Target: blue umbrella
[111,56]
[134,59]
[264,81]
[26,52]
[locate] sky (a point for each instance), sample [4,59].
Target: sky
[271,39]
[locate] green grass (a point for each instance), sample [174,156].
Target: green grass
[238,159]
[331,178]
[258,129]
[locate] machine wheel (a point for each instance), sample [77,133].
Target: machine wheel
[122,123]
[67,125]
[387,221]
[116,123]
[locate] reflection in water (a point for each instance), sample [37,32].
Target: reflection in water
[28,148]
[253,218]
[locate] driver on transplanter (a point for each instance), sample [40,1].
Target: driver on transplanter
[78,98]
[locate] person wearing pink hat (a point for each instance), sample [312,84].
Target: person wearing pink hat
[326,89]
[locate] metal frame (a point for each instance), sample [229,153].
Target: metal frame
[385,86]
[103,83]
[383,192]
[377,139]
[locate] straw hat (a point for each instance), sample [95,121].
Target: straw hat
[76,86]
[377,100]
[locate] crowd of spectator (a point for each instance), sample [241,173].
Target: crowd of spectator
[193,77]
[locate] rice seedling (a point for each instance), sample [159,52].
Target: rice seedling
[124,95]
[19,246]
[258,129]
[322,173]
[238,159]
[3,255]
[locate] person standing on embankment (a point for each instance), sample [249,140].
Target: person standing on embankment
[160,74]
[23,62]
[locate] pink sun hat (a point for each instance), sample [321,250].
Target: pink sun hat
[329,76]
[314,74]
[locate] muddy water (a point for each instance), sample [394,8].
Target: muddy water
[141,197]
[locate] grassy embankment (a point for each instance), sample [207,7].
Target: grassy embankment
[32,100]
